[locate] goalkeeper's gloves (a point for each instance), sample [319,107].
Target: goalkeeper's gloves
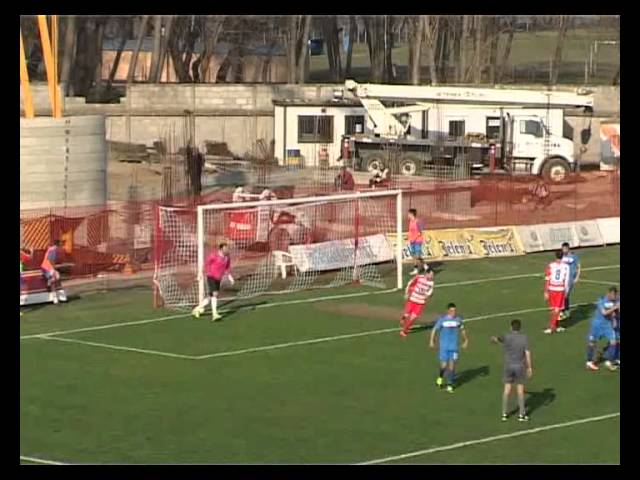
[231,280]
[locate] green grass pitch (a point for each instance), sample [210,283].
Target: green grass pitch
[310,383]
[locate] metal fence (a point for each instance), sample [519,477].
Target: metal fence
[111,246]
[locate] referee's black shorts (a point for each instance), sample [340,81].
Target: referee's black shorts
[213,285]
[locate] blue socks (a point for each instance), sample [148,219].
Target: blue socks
[590,352]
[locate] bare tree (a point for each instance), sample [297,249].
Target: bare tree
[213,26]
[432,24]
[375,29]
[477,68]
[157,45]
[493,33]
[297,40]
[353,29]
[303,49]
[507,48]
[563,27]
[465,32]
[124,24]
[416,36]
[329,27]
[69,52]
[134,57]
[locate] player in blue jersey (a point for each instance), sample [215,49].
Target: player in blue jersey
[573,261]
[616,329]
[602,326]
[448,327]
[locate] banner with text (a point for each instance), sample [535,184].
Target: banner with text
[457,244]
[337,254]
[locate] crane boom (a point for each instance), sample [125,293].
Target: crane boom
[484,96]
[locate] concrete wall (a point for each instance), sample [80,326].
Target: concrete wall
[62,162]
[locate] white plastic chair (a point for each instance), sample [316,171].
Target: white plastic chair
[284,260]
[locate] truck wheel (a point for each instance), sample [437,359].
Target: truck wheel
[556,170]
[373,163]
[409,166]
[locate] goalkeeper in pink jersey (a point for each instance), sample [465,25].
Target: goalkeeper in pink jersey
[217,266]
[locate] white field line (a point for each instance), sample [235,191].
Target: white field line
[491,439]
[40,460]
[278,346]
[118,347]
[598,282]
[295,302]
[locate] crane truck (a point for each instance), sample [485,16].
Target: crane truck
[483,129]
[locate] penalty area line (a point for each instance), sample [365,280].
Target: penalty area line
[454,446]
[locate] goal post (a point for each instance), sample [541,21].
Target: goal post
[282,246]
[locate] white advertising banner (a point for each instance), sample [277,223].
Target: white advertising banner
[337,254]
[609,229]
[555,234]
[530,238]
[588,233]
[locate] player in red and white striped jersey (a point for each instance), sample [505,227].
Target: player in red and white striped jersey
[417,293]
[557,277]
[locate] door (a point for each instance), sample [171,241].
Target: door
[528,137]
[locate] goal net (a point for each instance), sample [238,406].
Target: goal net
[281,246]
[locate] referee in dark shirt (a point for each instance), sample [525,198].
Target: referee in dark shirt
[517,367]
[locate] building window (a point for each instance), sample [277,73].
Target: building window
[353,124]
[493,128]
[315,129]
[456,128]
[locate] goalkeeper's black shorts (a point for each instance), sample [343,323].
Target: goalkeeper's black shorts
[213,284]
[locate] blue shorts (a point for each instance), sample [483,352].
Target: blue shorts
[447,355]
[48,274]
[415,249]
[600,330]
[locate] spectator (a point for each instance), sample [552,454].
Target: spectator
[380,178]
[344,180]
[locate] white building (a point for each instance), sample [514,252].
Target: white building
[314,129]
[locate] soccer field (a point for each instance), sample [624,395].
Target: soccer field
[108,379]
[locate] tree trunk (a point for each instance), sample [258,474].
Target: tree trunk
[124,34]
[507,50]
[96,61]
[70,35]
[464,48]
[557,57]
[136,52]
[416,31]
[212,29]
[157,46]
[353,29]
[493,51]
[374,31]
[431,34]
[291,48]
[477,71]
[168,34]
[303,54]
[331,36]
[388,49]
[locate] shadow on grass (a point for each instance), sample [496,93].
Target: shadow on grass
[535,400]
[231,308]
[579,314]
[468,376]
